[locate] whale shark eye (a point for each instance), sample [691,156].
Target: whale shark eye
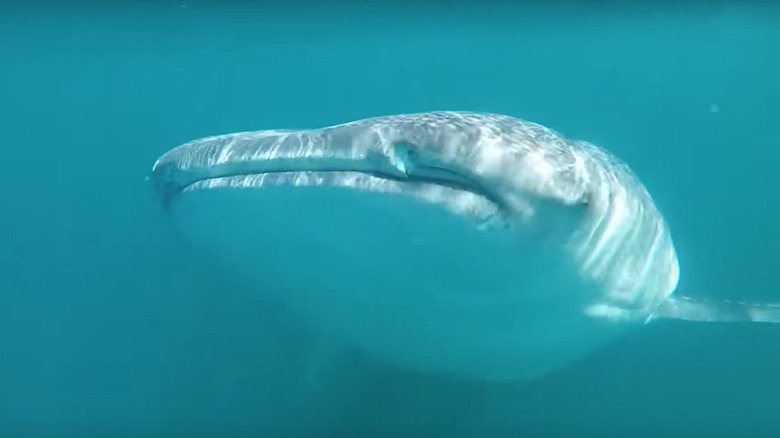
[405,151]
[417,165]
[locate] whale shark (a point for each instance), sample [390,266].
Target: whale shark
[469,244]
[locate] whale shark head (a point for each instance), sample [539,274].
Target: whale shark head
[478,245]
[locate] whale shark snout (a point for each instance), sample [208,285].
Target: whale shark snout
[450,242]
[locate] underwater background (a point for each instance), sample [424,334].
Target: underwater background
[109,328]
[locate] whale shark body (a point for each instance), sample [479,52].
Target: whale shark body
[476,245]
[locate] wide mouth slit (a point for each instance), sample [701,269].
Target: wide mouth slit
[172,187]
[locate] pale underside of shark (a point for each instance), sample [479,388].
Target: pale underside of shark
[477,245]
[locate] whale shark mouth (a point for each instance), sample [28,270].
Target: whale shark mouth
[172,178]
[429,176]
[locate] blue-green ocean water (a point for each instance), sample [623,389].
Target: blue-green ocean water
[109,328]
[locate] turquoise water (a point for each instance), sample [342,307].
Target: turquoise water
[108,328]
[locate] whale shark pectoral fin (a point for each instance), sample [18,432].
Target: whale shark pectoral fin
[696,309]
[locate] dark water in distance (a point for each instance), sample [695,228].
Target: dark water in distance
[108,328]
